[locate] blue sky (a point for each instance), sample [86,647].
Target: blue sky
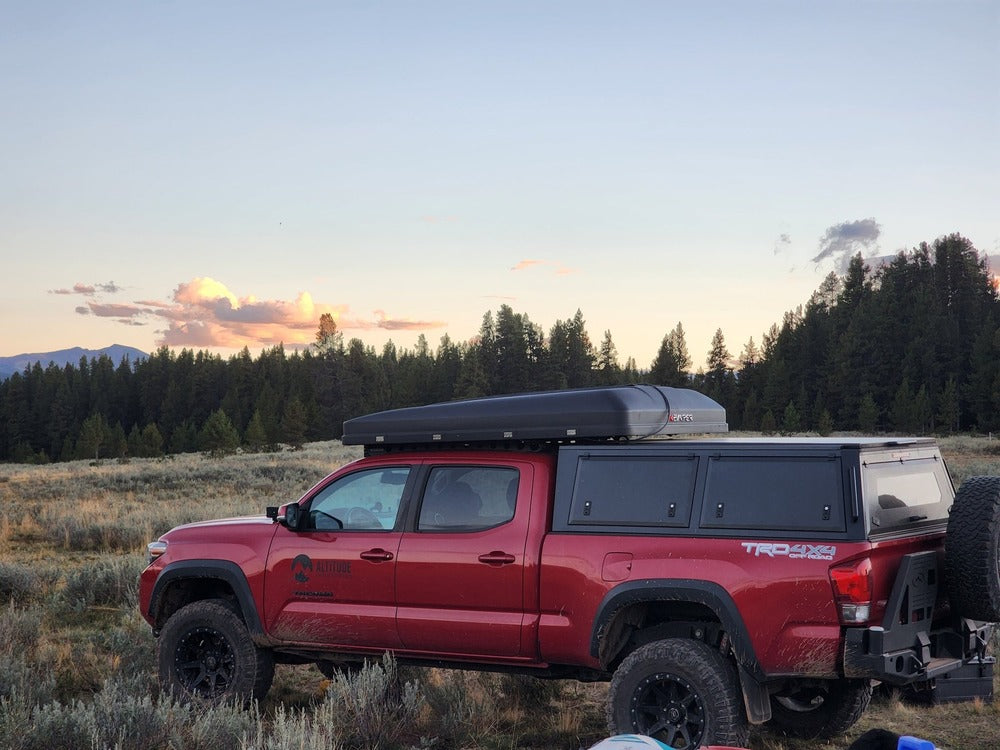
[218,174]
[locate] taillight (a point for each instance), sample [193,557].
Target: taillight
[852,591]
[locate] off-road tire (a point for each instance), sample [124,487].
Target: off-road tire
[972,550]
[205,654]
[821,712]
[679,691]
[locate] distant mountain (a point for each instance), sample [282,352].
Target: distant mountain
[116,352]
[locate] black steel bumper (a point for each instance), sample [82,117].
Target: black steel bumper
[904,649]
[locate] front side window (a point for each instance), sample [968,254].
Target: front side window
[468,498]
[362,500]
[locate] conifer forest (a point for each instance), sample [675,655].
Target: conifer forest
[907,346]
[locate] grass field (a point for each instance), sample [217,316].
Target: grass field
[77,662]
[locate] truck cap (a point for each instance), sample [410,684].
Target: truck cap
[625,412]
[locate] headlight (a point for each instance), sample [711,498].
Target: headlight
[154,550]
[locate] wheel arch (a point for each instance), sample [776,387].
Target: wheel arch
[185,581]
[633,601]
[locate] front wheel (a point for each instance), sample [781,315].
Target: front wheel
[821,711]
[205,653]
[680,692]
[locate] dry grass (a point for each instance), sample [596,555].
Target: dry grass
[72,540]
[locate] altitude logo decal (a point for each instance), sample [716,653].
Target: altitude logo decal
[301,568]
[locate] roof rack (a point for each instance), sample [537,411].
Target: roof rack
[625,412]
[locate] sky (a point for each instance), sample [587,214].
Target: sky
[218,175]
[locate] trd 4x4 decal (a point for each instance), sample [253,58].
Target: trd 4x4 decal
[791,551]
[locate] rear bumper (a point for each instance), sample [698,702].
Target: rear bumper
[879,654]
[904,650]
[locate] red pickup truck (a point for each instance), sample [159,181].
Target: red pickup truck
[715,582]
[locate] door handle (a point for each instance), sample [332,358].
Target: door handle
[496,558]
[377,555]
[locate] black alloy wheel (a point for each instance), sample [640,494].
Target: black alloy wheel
[205,663]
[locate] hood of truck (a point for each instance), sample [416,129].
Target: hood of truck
[218,526]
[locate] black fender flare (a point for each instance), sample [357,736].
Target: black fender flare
[716,599]
[221,570]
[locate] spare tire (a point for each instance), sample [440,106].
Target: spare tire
[972,550]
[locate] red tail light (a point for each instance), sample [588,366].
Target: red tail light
[852,590]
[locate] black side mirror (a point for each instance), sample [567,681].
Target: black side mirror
[293,516]
[290,515]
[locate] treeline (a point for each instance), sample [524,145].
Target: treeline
[911,347]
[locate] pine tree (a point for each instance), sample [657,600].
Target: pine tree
[152,441]
[293,423]
[93,437]
[868,414]
[824,423]
[218,437]
[608,370]
[790,422]
[255,437]
[949,409]
[672,363]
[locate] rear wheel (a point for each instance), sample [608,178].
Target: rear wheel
[820,711]
[972,550]
[205,653]
[680,692]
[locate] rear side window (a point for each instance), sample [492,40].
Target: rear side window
[901,494]
[774,493]
[633,491]
[468,498]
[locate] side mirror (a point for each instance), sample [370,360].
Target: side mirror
[290,515]
[293,516]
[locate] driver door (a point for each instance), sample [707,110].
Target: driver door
[332,582]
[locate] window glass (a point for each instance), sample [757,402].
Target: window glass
[902,494]
[363,500]
[468,498]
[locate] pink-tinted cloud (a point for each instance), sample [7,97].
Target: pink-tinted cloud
[88,290]
[205,313]
[111,310]
[523,264]
[404,324]
[556,268]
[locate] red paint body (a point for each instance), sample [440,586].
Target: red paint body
[516,594]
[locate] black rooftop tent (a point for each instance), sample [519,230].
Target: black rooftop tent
[614,412]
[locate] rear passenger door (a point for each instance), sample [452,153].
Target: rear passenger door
[460,570]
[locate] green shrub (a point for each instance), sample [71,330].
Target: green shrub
[19,631]
[528,693]
[369,709]
[107,583]
[17,582]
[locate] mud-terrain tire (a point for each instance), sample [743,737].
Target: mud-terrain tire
[972,550]
[680,692]
[820,712]
[205,654]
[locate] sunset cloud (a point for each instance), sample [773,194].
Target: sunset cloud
[204,312]
[404,324]
[556,268]
[843,241]
[88,290]
[521,265]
